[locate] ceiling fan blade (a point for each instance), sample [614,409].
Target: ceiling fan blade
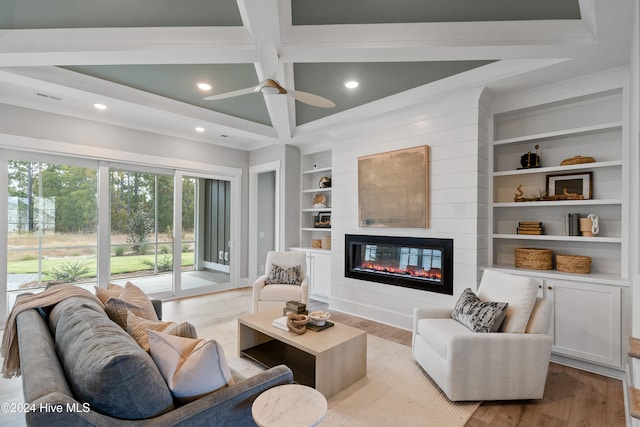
[232,93]
[311,99]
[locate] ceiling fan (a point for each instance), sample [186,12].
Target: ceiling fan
[272,87]
[269,60]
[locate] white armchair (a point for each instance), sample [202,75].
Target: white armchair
[268,295]
[473,366]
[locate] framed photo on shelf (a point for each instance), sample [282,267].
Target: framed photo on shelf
[571,183]
[323,220]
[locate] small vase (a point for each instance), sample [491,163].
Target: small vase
[586,225]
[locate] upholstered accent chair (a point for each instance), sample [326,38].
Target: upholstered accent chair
[285,279]
[510,364]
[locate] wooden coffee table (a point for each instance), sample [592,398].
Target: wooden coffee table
[329,361]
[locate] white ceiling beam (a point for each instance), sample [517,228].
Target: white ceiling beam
[98,46]
[588,14]
[320,53]
[322,43]
[279,113]
[438,41]
[260,18]
[501,33]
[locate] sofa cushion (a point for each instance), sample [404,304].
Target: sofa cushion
[519,291]
[184,330]
[280,293]
[479,316]
[285,276]
[191,367]
[132,299]
[137,327]
[438,332]
[72,303]
[112,290]
[104,366]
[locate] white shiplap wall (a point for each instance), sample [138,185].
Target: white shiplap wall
[458,201]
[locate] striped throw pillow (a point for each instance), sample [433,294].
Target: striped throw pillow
[137,327]
[282,276]
[132,299]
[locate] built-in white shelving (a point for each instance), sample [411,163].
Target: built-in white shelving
[314,167]
[589,125]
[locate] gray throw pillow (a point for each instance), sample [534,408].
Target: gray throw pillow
[477,315]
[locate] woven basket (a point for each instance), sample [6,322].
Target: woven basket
[577,160]
[316,243]
[326,242]
[534,258]
[573,264]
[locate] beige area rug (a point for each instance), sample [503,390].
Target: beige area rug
[395,392]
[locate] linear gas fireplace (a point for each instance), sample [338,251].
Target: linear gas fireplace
[418,263]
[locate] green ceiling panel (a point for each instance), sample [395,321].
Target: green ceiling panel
[377,80]
[305,12]
[178,82]
[27,14]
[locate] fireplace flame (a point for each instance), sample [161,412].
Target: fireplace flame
[414,271]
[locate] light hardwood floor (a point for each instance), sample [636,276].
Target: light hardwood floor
[572,397]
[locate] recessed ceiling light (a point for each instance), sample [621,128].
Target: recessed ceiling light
[203,86]
[351,84]
[100,106]
[200,129]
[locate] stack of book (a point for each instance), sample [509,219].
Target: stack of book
[280,323]
[529,227]
[571,223]
[294,307]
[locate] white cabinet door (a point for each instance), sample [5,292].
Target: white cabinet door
[586,321]
[319,265]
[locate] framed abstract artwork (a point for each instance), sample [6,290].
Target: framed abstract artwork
[393,189]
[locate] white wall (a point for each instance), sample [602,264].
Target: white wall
[289,158]
[458,200]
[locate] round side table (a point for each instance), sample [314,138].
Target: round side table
[289,405]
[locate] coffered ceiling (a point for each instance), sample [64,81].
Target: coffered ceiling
[143,59]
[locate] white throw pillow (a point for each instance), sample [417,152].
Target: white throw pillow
[191,367]
[519,291]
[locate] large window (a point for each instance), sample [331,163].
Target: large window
[88,223]
[52,223]
[142,229]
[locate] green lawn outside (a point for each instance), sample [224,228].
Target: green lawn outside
[119,264]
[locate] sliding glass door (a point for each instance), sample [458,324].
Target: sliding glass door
[141,229]
[90,222]
[52,217]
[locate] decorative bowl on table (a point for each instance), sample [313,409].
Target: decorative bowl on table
[319,317]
